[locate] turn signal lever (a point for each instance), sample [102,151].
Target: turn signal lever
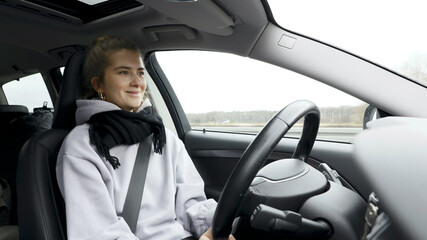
[288,223]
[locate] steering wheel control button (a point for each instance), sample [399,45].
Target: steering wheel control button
[329,173]
[288,223]
[270,219]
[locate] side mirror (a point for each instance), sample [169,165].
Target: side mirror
[373,113]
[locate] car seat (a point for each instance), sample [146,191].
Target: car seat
[13,134]
[41,211]
[10,112]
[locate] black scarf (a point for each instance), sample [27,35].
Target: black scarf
[112,128]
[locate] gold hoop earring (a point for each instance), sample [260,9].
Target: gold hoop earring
[101,96]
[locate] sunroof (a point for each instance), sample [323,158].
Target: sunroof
[88,10]
[92,2]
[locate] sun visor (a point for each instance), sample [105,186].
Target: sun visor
[203,15]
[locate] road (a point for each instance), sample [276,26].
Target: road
[344,134]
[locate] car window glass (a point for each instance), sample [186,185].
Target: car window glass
[29,91]
[385,32]
[224,92]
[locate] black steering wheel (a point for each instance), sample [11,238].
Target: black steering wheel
[257,153]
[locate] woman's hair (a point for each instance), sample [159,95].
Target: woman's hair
[98,58]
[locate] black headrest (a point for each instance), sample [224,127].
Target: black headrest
[71,88]
[9,112]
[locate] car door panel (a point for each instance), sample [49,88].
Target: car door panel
[216,153]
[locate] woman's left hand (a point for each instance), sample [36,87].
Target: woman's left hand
[208,236]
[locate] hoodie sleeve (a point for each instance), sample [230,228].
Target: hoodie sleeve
[192,208]
[84,184]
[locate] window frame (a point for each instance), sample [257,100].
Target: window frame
[182,126]
[46,79]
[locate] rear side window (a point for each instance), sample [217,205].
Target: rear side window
[29,91]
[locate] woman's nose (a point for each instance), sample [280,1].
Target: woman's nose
[137,80]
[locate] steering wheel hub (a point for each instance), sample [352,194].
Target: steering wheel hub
[285,184]
[282,170]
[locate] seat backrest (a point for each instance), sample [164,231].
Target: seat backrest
[13,133]
[41,209]
[17,125]
[10,112]
[12,137]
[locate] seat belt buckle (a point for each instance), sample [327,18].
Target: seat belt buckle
[371,214]
[372,210]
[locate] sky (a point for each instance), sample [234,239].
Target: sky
[29,91]
[225,82]
[385,31]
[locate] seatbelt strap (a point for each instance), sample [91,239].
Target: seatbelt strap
[132,204]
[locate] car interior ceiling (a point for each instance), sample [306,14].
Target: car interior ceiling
[148,21]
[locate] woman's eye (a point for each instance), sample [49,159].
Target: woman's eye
[141,74]
[123,73]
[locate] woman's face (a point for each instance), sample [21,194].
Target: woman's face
[124,83]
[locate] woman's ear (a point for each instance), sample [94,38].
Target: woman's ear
[97,85]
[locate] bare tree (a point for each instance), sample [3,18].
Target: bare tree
[416,67]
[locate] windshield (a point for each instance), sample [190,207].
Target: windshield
[389,33]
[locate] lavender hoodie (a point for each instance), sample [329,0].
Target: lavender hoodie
[173,205]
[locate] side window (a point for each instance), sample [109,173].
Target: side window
[29,91]
[229,93]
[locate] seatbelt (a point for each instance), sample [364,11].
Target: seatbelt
[132,204]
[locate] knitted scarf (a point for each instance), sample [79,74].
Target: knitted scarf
[112,128]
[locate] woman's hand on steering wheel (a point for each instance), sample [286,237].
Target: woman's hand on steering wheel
[208,236]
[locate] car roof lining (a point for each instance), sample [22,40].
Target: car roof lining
[136,24]
[18,66]
[203,15]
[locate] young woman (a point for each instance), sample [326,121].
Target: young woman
[96,160]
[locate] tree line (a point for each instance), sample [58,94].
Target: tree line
[333,116]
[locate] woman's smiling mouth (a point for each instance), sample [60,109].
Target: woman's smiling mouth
[134,93]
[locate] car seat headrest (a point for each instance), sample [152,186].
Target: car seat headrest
[9,112]
[71,87]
